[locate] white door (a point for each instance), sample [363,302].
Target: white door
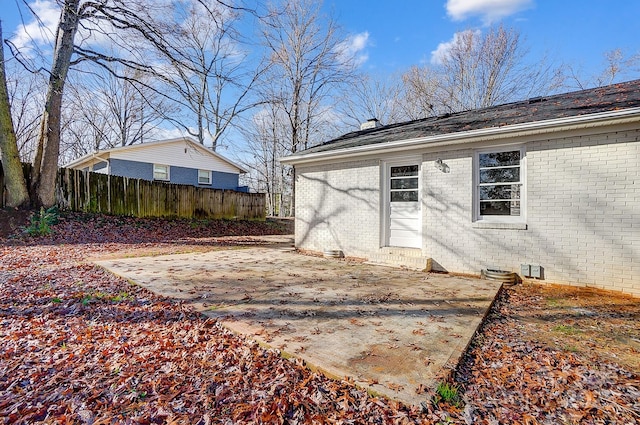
[403,212]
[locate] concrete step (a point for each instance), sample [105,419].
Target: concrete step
[410,258]
[405,252]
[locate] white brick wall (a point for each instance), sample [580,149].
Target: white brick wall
[338,207]
[583,212]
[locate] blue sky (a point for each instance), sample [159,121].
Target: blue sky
[390,36]
[393,35]
[402,33]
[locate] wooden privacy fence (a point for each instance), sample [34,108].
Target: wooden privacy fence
[93,192]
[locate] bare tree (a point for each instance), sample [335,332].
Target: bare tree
[107,112]
[131,107]
[45,165]
[372,98]
[17,194]
[125,25]
[308,61]
[26,96]
[419,94]
[486,69]
[210,70]
[266,143]
[618,65]
[85,128]
[477,70]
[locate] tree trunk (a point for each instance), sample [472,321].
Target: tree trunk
[17,194]
[45,166]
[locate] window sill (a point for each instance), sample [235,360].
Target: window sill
[494,225]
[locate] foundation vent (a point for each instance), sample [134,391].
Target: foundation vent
[508,278]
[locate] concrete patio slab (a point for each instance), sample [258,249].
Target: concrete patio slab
[396,332]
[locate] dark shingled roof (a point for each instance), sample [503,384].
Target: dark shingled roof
[602,99]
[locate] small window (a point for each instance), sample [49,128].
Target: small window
[204,177]
[404,184]
[499,185]
[160,172]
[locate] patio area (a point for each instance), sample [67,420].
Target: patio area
[396,332]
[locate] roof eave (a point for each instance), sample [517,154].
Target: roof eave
[450,139]
[87,159]
[217,155]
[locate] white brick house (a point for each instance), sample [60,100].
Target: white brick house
[551,182]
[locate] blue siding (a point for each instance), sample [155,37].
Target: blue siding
[133,169]
[178,175]
[219,180]
[222,180]
[181,175]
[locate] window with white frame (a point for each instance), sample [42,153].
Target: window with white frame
[499,176]
[204,177]
[160,172]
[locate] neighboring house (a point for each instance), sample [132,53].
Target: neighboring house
[180,161]
[552,182]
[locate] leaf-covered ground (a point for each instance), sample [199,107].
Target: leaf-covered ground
[79,345]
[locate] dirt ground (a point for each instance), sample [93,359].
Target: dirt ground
[601,325]
[12,220]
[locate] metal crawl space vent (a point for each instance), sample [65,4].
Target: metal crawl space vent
[500,276]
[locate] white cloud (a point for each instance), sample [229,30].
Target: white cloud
[488,10]
[443,49]
[354,48]
[166,133]
[40,31]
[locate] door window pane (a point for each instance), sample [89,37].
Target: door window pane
[404,196]
[403,183]
[404,171]
[411,183]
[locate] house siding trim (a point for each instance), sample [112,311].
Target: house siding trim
[548,128]
[175,152]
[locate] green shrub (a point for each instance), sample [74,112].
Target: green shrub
[40,222]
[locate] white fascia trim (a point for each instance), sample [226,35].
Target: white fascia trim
[90,160]
[146,145]
[494,133]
